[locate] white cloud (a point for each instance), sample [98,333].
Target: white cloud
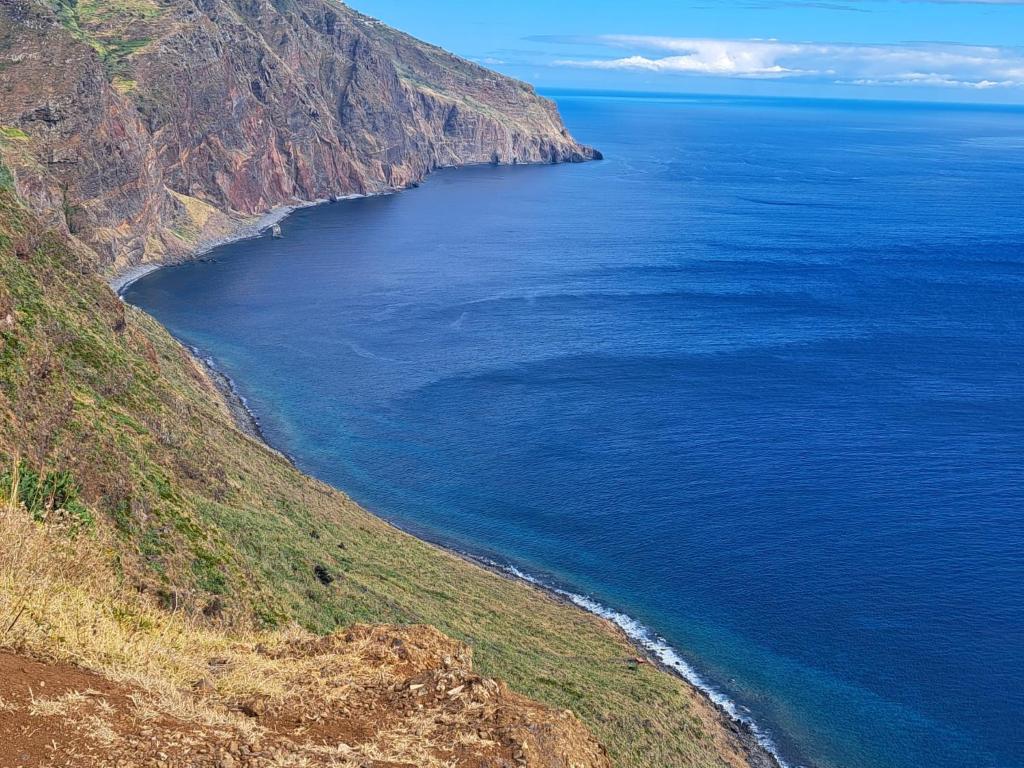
[936,64]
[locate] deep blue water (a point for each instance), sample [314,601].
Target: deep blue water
[757,380]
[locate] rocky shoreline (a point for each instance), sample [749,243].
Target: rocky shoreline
[752,744]
[245,419]
[120,280]
[755,746]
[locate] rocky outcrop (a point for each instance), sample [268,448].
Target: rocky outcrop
[375,697]
[146,127]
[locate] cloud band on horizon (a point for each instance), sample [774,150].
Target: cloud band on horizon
[948,65]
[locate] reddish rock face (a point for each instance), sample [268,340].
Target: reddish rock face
[155,125]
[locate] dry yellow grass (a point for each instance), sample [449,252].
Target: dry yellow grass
[219,531]
[378,694]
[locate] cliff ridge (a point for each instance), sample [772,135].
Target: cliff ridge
[160,557]
[148,127]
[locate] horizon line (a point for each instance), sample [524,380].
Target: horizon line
[778,97]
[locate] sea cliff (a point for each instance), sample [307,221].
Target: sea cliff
[204,565]
[145,127]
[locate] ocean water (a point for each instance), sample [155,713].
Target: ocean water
[756,382]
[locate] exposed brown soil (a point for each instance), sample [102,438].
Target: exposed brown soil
[59,715]
[363,698]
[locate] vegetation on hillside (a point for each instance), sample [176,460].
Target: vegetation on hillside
[171,691]
[204,522]
[102,24]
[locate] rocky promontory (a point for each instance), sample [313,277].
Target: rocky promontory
[186,594]
[147,127]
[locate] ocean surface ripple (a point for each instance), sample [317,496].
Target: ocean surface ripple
[753,387]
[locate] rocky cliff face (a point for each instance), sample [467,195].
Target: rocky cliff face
[146,127]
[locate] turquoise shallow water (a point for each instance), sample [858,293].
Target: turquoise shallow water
[756,380]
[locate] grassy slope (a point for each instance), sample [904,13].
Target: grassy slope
[207,519]
[380,692]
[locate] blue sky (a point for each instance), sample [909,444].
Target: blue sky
[893,49]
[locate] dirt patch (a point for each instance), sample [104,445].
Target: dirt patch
[57,715]
[373,697]
[35,701]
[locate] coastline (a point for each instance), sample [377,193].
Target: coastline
[121,280]
[244,417]
[756,745]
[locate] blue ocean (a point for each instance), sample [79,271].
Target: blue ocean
[755,381]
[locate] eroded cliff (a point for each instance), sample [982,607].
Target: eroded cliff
[147,127]
[179,523]
[142,128]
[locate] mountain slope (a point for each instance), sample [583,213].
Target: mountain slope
[146,127]
[176,693]
[131,131]
[114,428]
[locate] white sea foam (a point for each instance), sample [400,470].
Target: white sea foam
[660,649]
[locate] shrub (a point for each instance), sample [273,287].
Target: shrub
[45,496]
[6,178]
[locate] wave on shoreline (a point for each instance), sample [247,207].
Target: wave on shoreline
[644,637]
[757,742]
[656,646]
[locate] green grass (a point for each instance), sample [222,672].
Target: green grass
[115,53]
[10,133]
[204,516]
[46,495]
[100,24]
